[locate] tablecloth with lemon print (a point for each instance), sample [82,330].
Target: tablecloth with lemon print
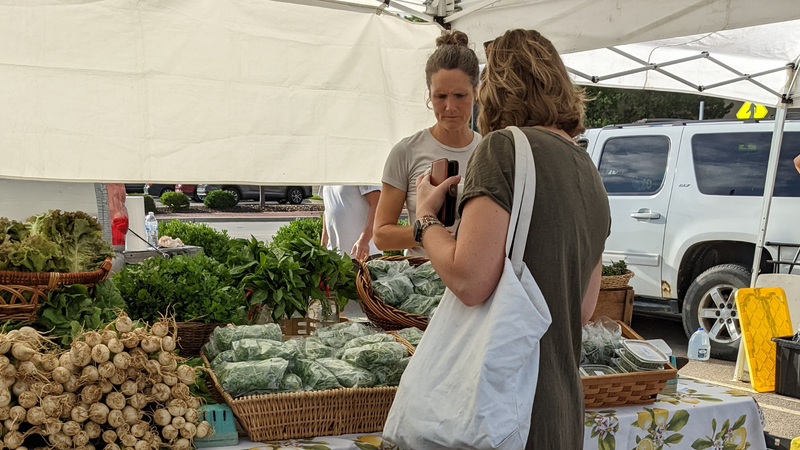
[698,416]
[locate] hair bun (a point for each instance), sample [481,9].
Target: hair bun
[453,38]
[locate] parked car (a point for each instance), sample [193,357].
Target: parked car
[282,194]
[189,189]
[134,188]
[157,190]
[686,200]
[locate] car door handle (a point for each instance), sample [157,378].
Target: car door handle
[646,214]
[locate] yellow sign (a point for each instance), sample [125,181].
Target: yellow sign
[751,111]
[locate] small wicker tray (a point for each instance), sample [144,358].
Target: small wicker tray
[191,336]
[615,281]
[636,388]
[21,291]
[378,312]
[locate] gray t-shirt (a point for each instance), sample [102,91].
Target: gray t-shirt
[410,158]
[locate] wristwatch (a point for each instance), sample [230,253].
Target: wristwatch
[422,224]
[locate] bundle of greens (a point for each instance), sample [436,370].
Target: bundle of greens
[337,335]
[371,356]
[252,377]
[224,337]
[412,335]
[416,290]
[53,242]
[261,349]
[347,374]
[313,348]
[226,356]
[194,287]
[315,376]
[214,243]
[291,383]
[389,375]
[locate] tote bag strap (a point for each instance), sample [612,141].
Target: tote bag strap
[524,195]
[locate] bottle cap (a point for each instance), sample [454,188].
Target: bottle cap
[699,328]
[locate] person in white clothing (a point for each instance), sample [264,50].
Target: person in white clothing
[348,219]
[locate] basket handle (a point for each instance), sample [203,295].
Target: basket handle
[54,279]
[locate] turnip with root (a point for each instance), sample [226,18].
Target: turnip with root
[35,416]
[119,377]
[80,355]
[115,400]
[27,399]
[71,428]
[169,433]
[203,430]
[109,436]
[131,415]
[49,362]
[61,441]
[192,415]
[182,444]
[100,353]
[106,369]
[93,338]
[98,413]
[123,324]
[115,346]
[115,418]
[89,374]
[13,439]
[128,388]
[65,362]
[61,374]
[93,429]
[162,417]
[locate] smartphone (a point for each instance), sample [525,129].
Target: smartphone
[442,169]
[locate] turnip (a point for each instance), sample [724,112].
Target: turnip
[90,374]
[128,388]
[80,439]
[191,416]
[11,424]
[5,345]
[8,375]
[139,429]
[181,391]
[65,362]
[178,422]
[203,430]
[115,400]
[4,362]
[55,388]
[5,412]
[51,406]
[123,429]
[151,344]
[169,432]
[107,369]
[111,447]
[109,436]
[131,373]
[13,439]
[22,351]
[52,425]
[181,444]
[71,428]
[106,336]
[166,358]
[162,417]
[106,386]
[193,403]
[100,353]
[186,374]
[61,441]
[98,413]
[160,328]
[36,416]
[189,430]
[131,415]
[61,374]
[128,440]
[5,397]
[176,407]
[80,414]
[80,354]
[92,429]
[115,418]
[18,413]
[26,368]
[115,346]
[152,367]
[91,393]
[119,377]
[123,323]
[49,362]
[122,360]
[39,388]
[161,392]
[93,338]
[138,401]
[72,384]
[142,445]
[169,378]
[27,399]
[168,344]
[130,340]
[141,383]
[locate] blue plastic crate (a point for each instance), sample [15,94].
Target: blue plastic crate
[222,422]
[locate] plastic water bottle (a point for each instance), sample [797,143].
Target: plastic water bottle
[151,229]
[699,345]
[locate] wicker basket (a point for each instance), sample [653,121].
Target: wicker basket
[378,312]
[615,281]
[20,292]
[191,336]
[405,343]
[636,388]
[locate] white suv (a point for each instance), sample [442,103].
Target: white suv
[686,200]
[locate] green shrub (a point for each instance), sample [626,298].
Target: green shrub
[214,243]
[311,227]
[149,204]
[220,199]
[175,200]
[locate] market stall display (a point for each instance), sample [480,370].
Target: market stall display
[615,299]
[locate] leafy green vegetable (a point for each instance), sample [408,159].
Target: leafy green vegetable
[431,288]
[252,377]
[11,230]
[338,334]
[380,267]
[196,287]
[260,349]
[224,357]
[313,348]
[75,308]
[419,304]
[412,335]
[373,355]
[291,383]
[616,268]
[389,375]
[347,374]
[215,243]
[364,340]
[310,228]
[315,376]
[32,254]
[78,236]
[210,350]
[223,337]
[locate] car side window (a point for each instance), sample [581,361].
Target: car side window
[735,164]
[634,165]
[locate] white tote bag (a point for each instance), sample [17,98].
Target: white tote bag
[472,379]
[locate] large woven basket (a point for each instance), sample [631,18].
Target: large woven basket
[635,388]
[378,312]
[21,291]
[192,336]
[294,415]
[615,281]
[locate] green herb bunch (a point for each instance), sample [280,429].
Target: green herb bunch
[308,228]
[194,288]
[616,268]
[214,243]
[77,308]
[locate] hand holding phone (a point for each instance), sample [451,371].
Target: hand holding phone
[441,170]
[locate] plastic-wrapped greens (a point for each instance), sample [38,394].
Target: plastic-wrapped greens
[291,383]
[364,340]
[419,304]
[380,268]
[294,345]
[423,274]
[314,348]
[373,355]
[223,337]
[252,377]
[412,335]
[393,289]
[431,288]
[226,356]
[347,374]
[260,349]
[315,376]
[211,351]
[338,334]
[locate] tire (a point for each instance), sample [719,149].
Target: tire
[236,194]
[294,195]
[710,300]
[165,190]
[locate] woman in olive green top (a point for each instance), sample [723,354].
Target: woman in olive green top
[525,84]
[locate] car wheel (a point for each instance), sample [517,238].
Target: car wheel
[710,302]
[236,194]
[165,190]
[294,195]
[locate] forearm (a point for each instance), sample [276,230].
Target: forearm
[324,231]
[797,163]
[393,237]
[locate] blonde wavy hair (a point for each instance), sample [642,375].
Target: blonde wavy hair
[525,83]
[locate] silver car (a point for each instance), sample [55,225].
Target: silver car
[282,194]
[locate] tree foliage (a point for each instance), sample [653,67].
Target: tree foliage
[609,106]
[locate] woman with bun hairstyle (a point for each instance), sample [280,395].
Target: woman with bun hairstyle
[452,75]
[525,84]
